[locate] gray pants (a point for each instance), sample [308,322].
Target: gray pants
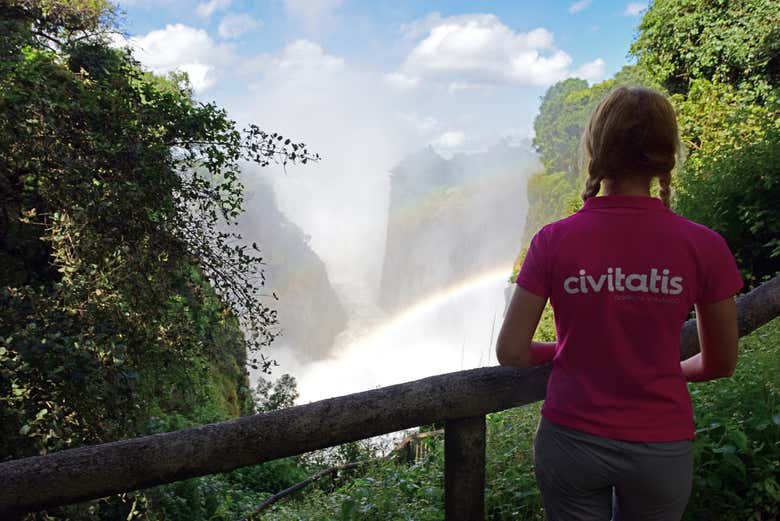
[584,477]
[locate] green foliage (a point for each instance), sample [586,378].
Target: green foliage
[550,197]
[277,395]
[714,116]
[386,490]
[737,446]
[511,491]
[730,41]
[564,113]
[731,181]
[225,497]
[124,291]
[558,126]
[545,331]
[230,495]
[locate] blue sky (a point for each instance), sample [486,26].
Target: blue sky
[369,31]
[231,48]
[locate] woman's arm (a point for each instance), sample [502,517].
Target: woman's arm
[718,339]
[514,346]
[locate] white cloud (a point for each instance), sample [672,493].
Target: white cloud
[183,48]
[592,71]
[235,25]
[401,81]
[478,48]
[459,86]
[302,62]
[206,9]
[518,136]
[201,76]
[304,54]
[456,86]
[635,8]
[417,28]
[578,6]
[424,125]
[450,140]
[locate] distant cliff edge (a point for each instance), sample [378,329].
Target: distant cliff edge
[309,311]
[452,219]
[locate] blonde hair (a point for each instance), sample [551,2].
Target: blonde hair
[632,132]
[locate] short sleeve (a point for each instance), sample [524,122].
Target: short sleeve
[721,278]
[535,273]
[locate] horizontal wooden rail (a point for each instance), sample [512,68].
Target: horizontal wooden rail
[84,473]
[95,471]
[754,309]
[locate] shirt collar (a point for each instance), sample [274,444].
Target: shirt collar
[624,201]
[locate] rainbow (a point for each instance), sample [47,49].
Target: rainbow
[432,302]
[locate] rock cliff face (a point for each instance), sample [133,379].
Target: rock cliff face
[452,219]
[309,311]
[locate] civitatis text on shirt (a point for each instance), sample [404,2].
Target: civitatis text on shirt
[657,280]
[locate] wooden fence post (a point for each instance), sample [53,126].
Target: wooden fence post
[464,469]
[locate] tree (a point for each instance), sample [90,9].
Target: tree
[127,301]
[122,281]
[731,181]
[280,394]
[727,41]
[558,126]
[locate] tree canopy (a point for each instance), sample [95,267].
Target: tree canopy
[125,292]
[726,41]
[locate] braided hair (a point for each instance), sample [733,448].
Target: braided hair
[632,132]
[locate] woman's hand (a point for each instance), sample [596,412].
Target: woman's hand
[514,346]
[718,339]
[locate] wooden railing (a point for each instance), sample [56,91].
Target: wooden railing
[461,399]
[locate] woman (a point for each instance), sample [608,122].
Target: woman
[622,275]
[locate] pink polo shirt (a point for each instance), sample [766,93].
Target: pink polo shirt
[622,274]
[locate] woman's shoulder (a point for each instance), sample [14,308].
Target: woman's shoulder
[560,225]
[561,228]
[666,226]
[695,230]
